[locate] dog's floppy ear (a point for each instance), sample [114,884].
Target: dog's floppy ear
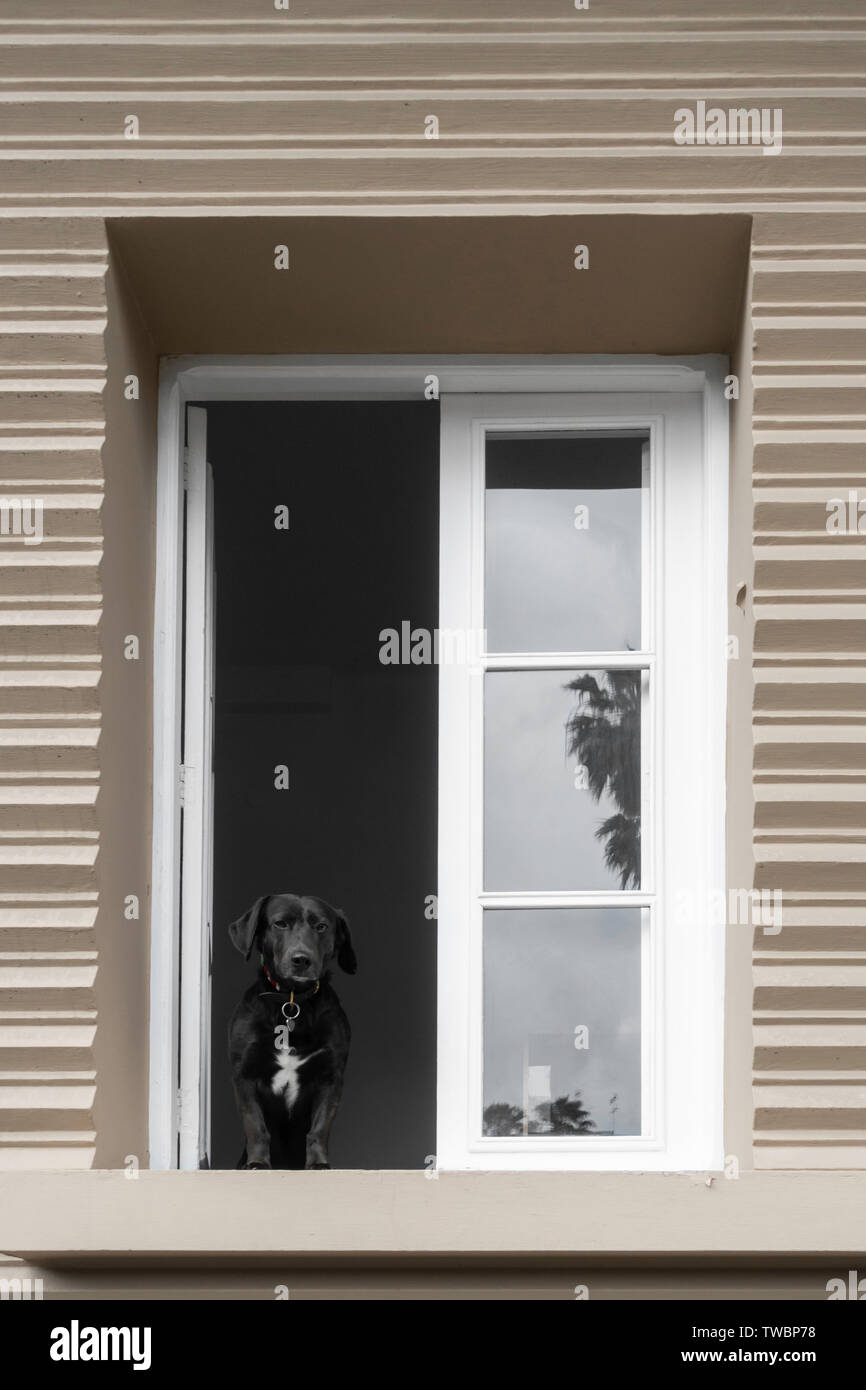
[243,932]
[345,950]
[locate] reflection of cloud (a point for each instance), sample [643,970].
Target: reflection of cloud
[547,971]
[552,588]
[628,1028]
[540,828]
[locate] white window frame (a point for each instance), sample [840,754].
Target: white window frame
[658,392]
[682,781]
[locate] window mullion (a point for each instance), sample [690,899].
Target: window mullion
[564,661]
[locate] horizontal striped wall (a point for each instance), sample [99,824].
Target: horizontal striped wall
[809,310]
[245,110]
[52,374]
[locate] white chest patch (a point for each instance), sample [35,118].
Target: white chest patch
[287,1079]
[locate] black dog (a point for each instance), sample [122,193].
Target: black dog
[289,1037]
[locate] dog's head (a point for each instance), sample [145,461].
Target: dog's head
[298,937]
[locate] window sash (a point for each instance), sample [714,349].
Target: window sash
[675,425]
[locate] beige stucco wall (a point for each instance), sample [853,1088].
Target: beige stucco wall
[631,1235]
[125,746]
[307,128]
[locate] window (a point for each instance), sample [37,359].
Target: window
[580,785]
[581,676]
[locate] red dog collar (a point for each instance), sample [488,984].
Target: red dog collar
[274,985]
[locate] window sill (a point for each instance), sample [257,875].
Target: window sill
[104,1213]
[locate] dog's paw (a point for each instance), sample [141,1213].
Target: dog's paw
[257,1165]
[318,1165]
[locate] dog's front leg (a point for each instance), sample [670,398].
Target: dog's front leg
[324,1109]
[255,1129]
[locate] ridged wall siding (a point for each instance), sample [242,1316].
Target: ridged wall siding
[52,374]
[247,109]
[809,309]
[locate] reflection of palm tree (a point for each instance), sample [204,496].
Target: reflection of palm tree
[566,1116]
[570,1116]
[604,733]
[502,1119]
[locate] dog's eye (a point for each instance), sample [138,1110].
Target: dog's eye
[321,926]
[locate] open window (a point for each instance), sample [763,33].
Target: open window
[459,666]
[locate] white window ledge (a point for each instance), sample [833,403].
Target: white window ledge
[59,1215]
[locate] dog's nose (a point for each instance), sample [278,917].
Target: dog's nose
[301,962]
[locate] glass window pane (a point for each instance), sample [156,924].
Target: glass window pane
[562,780]
[562,1021]
[563,543]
